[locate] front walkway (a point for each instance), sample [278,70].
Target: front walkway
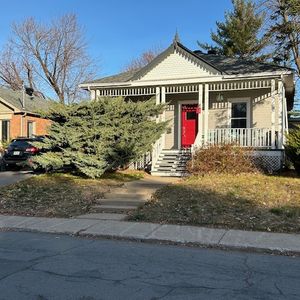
[207,237]
[119,201]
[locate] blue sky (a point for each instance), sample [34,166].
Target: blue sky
[118,31]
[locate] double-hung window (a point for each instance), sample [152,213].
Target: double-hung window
[239,114]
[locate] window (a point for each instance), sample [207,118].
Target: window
[5,130]
[191,115]
[239,114]
[30,129]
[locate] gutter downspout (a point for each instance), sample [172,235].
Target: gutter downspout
[23,107]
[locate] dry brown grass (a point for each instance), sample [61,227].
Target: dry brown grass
[245,201]
[57,195]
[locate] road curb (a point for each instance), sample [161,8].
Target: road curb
[276,243]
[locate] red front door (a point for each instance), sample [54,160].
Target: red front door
[189,124]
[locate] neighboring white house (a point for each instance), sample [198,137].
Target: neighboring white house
[210,99]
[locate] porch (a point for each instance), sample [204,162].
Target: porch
[250,113]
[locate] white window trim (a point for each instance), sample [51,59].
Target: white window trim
[8,129]
[238,100]
[33,127]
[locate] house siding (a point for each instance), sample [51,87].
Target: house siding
[178,66]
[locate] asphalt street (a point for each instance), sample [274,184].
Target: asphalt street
[45,266]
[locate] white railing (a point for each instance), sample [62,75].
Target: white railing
[197,143]
[244,137]
[157,148]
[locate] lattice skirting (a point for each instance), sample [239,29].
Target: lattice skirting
[268,160]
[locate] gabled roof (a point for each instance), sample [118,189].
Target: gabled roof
[121,77]
[235,66]
[221,64]
[14,100]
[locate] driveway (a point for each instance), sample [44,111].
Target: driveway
[41,266]
[10,177]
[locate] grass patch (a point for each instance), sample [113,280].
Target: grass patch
[247,201]
[125,176]
[55,195]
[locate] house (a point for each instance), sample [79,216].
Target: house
[210,100]
[19,114]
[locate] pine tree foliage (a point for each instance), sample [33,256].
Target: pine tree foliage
[285,30]
[93,137]
[292,147]
[239,34]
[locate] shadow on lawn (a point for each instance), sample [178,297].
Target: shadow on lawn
[54,195]
[178,204]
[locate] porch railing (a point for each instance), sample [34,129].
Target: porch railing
[244,137]
[156,150]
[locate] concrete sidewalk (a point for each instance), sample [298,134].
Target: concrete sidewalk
[207,237]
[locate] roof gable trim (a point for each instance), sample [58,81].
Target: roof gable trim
[175,46]
[14,108]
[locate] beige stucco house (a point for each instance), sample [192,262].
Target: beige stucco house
[210,99]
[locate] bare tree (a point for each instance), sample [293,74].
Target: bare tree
[284,28]
[15,70]
[53,53]
[144,59]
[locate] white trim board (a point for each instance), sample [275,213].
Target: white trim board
[247,100]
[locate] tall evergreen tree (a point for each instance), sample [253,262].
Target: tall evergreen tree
[97,136]
[284,29]
[239,35]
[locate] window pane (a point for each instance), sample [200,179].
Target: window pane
[5,131]
[239,110]
[238,123]
[29,129]
[191,115]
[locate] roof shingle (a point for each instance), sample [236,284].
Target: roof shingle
[32,104]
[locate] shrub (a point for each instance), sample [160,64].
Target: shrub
[93,137]
[293,148]
[225,158]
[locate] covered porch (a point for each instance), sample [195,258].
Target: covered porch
[251,113]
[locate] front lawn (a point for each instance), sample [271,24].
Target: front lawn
[248,201]
[58,195]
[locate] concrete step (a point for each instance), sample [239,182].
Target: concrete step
[114,208]
[170,151]
[103,216]
[121,202]
[143,188]
[167,174]
[127,196]
[166,162]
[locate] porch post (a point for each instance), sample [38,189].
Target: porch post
[157,95]
[273,113]
[206,103]
[200,118]
[163,101]
[280,114]
[93,94]
[97,94]
[285,115]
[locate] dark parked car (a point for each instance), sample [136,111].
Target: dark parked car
[19,152]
